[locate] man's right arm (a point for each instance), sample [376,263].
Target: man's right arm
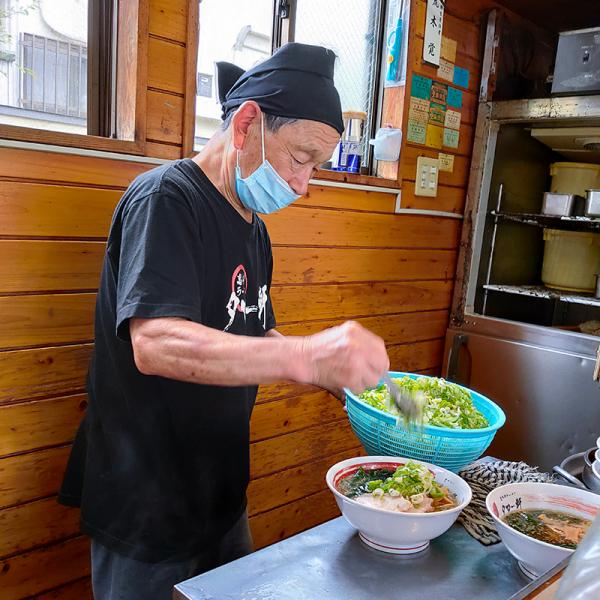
[344,356]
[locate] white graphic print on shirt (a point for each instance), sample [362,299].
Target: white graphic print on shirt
[237,301]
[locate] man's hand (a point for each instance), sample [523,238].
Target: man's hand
[344,356]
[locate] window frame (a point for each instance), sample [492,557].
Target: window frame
[132,51]
[284,25]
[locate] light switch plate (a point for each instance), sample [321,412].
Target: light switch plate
[426,180]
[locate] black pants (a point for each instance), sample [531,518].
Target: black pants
[117,577]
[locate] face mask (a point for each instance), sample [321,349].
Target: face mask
[263,191]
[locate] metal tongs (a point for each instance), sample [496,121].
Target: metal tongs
[409,403]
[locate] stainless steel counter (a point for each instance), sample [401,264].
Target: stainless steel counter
[330,562]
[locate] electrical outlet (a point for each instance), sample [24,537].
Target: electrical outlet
[426,182]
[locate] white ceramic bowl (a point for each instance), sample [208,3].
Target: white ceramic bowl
[536,557]
[395,532]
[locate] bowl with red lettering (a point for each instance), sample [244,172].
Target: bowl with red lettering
[541,524]
[397,504]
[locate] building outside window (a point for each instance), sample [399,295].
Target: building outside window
[43,64]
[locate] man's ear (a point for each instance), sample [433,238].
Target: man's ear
[248,113]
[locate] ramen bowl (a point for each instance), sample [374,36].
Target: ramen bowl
[535,557]
[390,531]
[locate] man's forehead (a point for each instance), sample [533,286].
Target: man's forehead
[310,136]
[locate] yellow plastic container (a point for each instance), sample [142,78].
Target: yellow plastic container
[574,178]
[571,259]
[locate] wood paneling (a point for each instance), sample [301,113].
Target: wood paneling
[393,328]
[321,227]
[326,265]
[266,493]
[35,524]
[293,518]
[40,423]
[46,319]
[40,570]
[286,451]
[449,199]
[33,373]
[77,590]
[36,266]
[30,476]
[270,419]
[16,164]
[408,167]
[466,34]
[322,196]
[417,356]
[164,117]
[304,303]
[168,19]
[33,209]
[166,66]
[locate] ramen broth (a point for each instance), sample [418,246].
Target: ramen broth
[553,527]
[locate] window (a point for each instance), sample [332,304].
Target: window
[355,41]
[242,32]
[44,82]
[237,31]
[58,72]
[53,77]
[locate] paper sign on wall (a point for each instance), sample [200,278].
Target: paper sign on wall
[446,70]
[421,87]
[446,162]
[454,97]
[439,92]
[435,136]
[416,132]
[434,20]
[448,49]
[452,120]
[437,114]
[419,110]
[461,77]
[451,138]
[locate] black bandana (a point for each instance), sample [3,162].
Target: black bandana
[296,82]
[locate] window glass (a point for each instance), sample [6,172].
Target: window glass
[43,64]
[237,31]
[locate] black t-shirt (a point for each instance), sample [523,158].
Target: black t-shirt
[160,467]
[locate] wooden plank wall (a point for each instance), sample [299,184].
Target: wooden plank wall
[462,26]
[339,254]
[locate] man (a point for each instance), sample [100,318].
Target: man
[185,331]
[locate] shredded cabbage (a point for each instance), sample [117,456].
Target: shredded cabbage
[412,481]
[447,405]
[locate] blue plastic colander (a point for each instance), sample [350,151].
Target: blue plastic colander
[448,448]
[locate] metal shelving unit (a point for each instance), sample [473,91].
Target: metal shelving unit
[538,291]
[556,222]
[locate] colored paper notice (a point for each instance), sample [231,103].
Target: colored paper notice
[434,21]
[452,119]
[454,97]
[421,87]
[446,162]
[461,77]
[437,114]
[419,110]
[416,132]
[451,137]
[448,50]
[446,70]
[435,136]
[439,91]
